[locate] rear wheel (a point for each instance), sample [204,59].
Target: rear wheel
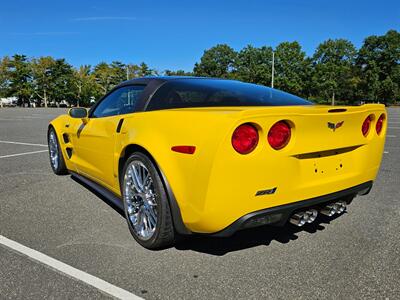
[56,158]
[145,203]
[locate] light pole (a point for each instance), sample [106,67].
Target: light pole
[273,69]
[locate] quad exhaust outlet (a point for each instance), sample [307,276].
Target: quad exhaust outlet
[309,216]
[334,208]
[301,218]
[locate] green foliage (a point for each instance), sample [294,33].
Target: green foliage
[378,61]
[333,68]
[85,87]
[63,73]
[118,72]
[51,80]
[105,76]
[337,71]
[144,70]
[43,78]
[4,76]
[254,65]
[216,62]
[20,78]
[177,73]
[291,68]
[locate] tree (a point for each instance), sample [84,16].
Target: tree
[63,78]
[20,79]
[4,76]
[42,77]
[107,76]
[217,61]
[336,70]
[85,87]
[389,90]
[104,76]
[118,70]
[333,62]
[291,68]
[254,65]
[177,73]
[132,71]
[52,80]
[144,70]
[378,63]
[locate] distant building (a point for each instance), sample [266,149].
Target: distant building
[10,101]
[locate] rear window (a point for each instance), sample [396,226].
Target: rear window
[183,93]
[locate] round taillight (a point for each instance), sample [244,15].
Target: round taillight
[279,135]
[379,124]
[245,138]
[365,126]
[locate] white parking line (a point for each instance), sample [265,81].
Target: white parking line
[385,152]
[20,154]
[390,136]
[20,143]
[96,282]
[394,127]
[14,119]
[23,118]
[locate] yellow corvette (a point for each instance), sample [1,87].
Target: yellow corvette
[183,155]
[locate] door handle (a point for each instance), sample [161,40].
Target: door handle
[119,126]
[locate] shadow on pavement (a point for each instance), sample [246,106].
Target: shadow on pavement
[249,238]
[243,239]
[101,196]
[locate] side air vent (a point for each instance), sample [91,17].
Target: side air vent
[69,152]
[337,110]
[66,138]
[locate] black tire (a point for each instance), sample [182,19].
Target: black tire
[164,233]
[59,167]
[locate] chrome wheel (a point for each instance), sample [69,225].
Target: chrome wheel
[140,199]
[53,149]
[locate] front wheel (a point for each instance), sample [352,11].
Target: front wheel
[145,203]
[56,158]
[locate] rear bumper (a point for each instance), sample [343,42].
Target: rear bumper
[279,215]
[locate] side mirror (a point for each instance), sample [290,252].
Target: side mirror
[78,113]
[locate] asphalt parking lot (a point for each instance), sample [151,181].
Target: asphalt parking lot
[356,255]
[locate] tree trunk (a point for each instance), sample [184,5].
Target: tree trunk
[45,99]
[333,99]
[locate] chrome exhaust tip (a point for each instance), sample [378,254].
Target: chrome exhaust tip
[312,215]
[334,208]
[301,218]
[341,206]
[329,210]
[298,219]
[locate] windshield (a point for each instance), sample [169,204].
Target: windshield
[183,93]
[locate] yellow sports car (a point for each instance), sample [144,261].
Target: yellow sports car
[184,155]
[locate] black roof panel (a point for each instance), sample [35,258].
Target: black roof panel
[148,79]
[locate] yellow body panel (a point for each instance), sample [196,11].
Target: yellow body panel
[216,185]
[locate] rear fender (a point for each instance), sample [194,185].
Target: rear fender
[185,176]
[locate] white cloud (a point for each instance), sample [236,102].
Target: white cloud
[44,33]
[105,19]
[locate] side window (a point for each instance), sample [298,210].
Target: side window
[121,101]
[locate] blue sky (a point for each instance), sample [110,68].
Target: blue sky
[173,34]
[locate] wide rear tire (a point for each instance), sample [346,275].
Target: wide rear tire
[146,204]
